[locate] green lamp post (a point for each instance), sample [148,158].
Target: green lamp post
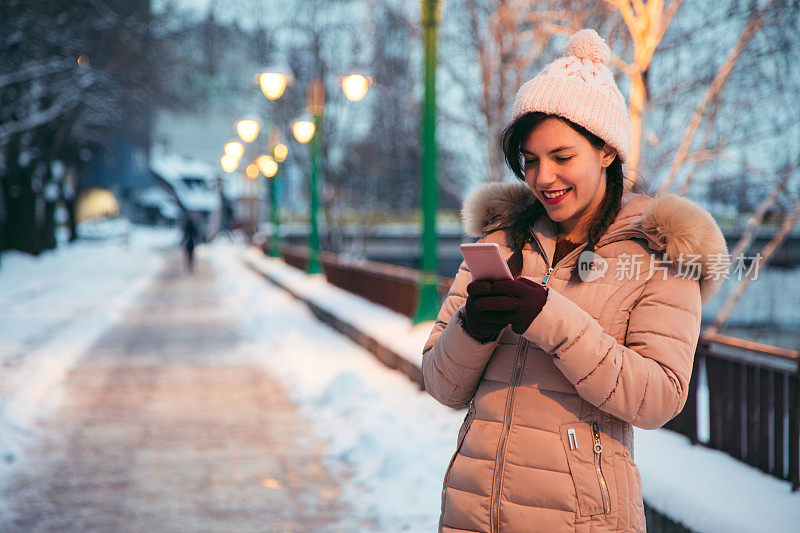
[428,294]
[306,130]
[279,154]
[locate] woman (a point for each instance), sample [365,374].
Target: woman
[557,365]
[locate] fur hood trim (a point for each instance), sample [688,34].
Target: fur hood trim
[670,223]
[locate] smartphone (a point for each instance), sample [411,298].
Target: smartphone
[485,261]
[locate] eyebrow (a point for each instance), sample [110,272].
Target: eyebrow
[560,148]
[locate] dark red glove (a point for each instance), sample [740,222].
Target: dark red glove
[520,299]
[483,326]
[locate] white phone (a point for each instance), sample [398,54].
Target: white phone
[485,261]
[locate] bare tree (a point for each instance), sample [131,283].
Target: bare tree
[763,258]
[713,91]
[647,22]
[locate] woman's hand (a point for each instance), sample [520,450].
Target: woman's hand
[482,325]
[491,305]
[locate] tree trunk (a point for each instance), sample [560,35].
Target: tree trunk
[638,99]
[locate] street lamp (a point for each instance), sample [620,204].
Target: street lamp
[234,149]
[280,152]
[267,165]
[229,163]
[274,79]
[355,86]
[252,171]
[303,129]
[310,130]
[273,82]
[428,293]
[247,130]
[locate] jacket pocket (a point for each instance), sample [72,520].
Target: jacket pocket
[583,444]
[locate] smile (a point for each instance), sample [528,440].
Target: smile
[553,198]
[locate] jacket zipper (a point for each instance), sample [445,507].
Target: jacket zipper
[598,449]
[550,268]
[606,239]
[497,481]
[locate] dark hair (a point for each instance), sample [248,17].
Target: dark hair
[512,140]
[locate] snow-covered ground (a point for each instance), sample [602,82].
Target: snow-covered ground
[396,439]
[52,309]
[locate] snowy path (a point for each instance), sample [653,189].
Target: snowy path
[167,425]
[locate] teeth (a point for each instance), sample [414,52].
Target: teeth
[556,195]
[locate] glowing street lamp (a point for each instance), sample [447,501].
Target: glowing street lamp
[229,163]
[234,149]
[252,171]
[355,86]
[267,165]
[280,152]
[274,79]
[247,130]
[273,84]
[303,130]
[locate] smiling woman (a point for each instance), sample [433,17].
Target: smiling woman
[547,441]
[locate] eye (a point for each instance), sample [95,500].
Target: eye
[563,159]
[529,162]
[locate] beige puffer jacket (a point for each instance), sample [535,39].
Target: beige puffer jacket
[547,442]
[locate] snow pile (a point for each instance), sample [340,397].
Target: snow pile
[708,490]
[384,325]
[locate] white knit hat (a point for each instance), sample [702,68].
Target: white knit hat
[580,87]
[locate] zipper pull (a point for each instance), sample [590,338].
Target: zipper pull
[573,441]
[546,277]
[598,448]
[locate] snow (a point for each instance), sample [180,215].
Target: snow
[708,490]
[387,327]
[52,309]
[175,169]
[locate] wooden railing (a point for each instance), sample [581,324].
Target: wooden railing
[753,388]
[391,286]
[754,403]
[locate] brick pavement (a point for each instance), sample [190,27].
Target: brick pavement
[164,428]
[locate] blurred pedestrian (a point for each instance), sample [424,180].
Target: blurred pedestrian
[189,240]
[557,365]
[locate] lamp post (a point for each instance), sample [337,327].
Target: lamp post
[279,152]
[248,130]
[273,82]
[428,294]
[309,129]
[305,130]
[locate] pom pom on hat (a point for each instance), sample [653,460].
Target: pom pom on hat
[587,44]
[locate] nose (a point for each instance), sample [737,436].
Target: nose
[544,176]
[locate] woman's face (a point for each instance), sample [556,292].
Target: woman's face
[558,158]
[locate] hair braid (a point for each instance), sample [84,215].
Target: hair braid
[520,235]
